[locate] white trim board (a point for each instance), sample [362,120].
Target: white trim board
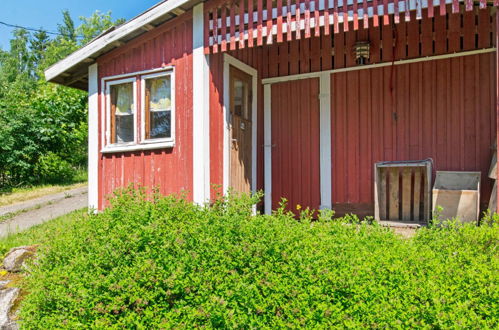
[201,111]
[93,138]
[325,140]
[267,137]
[95,46]
[372,66]
[228,62]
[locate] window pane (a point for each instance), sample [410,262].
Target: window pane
[158,101]
[124,128]
[160,89]
[122,104]
[160,125]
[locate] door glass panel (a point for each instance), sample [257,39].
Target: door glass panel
[241,98]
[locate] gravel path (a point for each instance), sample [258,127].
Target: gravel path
[34,212]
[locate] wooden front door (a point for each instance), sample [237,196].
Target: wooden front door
[240,130]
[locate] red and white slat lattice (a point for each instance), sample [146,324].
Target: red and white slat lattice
[230,24]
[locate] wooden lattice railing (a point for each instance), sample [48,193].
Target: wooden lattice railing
[296,19]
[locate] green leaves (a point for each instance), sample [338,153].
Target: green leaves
[38,119]
[161,262]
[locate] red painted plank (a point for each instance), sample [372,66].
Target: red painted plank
[430,9]
[442,8]
[339,50]
[327,13]
[407,11]
[455,6]
[375,48]
[307,18]
[259,6]
[279,21]
[345,15]
[396,14]
[223,46]
[250,23]
[315,55]
[387,43]
[317,28]
[386,17]
[232,28]
[375,13]
[289,34]
[426,37]
[241,24]
[355,15]
[298,20]
[335,17]
[440,28]
[215,30]
[365,16]
[206,32]
[413,41]
[484,28]
[468,31]
[269,22]
[294,57]
[326,49]
[453,34]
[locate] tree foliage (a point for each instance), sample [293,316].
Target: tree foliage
[41,123]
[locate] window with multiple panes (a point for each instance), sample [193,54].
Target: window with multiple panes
[154,124]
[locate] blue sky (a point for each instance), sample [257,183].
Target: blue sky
[46,14]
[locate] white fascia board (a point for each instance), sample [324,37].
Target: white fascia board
[98,44]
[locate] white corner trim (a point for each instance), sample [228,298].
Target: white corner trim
[201,111]
[267,147]
[99,43]
[325,140]
[228,62]
[93,137]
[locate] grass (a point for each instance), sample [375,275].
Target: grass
[41,234]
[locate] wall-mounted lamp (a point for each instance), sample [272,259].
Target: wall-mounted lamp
[361,49]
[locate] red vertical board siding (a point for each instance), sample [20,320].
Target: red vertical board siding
[452,126]
[167,169]
[295,134]
[216,123]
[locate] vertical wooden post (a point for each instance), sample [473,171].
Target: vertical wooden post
[93,138]
[200,110]
[497,95]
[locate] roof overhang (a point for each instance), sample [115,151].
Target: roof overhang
[72,71]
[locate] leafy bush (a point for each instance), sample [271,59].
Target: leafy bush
[52,169]
[163,262]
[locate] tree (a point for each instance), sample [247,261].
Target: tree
[43,126]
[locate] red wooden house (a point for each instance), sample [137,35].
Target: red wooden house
[298,98]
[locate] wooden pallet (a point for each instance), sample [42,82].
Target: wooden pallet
[402,191]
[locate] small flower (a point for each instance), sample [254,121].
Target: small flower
[298,206]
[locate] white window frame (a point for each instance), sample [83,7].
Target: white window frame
[161,142]
[139,143]
[107,134]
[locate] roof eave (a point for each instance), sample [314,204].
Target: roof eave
[72,71]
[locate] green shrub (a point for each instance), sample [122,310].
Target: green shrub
[163,262]
[52,169]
